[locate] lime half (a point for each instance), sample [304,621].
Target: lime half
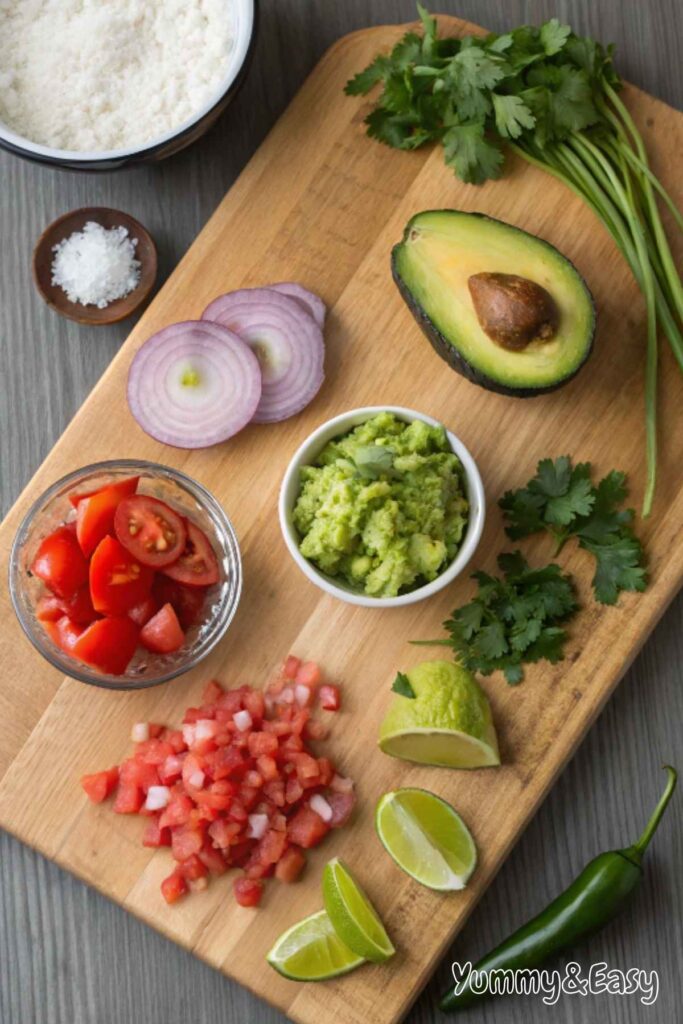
[353,916]
[312,951]
[448,721]
[427,838]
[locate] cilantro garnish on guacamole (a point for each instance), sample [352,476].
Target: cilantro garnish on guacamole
[383,509]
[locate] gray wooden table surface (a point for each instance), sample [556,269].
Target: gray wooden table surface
[67,955]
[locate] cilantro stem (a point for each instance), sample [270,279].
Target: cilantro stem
[649,292]
[430,643]
[657,226]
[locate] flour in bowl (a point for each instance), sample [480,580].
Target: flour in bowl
[94,75]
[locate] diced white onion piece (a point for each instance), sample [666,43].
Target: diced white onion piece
[341,785]
[157,798]
[287,695]
[140,732]
[189,733]
[199,884]
[196,780]
[205,729]
[242,720]
[302,695]
[321,807]
[258,823]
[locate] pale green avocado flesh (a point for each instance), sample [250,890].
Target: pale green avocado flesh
[442,249]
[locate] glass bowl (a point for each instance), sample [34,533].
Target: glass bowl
[53,508]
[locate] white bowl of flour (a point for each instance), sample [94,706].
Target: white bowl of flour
[103,83]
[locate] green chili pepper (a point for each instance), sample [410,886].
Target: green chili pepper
[600,892]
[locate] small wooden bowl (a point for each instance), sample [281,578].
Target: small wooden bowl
[63,227]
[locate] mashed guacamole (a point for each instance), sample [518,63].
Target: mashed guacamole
[383,508]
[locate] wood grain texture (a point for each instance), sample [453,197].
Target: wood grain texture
[87,1002]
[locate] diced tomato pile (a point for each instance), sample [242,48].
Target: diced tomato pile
[236,786]
[129,571]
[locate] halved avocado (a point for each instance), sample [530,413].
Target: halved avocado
[523,326]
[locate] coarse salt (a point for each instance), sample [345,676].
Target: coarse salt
[96,266]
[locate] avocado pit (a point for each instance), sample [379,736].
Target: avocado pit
[513,311]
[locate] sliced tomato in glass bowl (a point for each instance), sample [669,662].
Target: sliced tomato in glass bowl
[60,563]
[118,581]
[95,512]
[108,644]
[162,634]
[197,566]
[78,607]
[64,633]
[123,487]
[187,602]
[143,612]
[151,530]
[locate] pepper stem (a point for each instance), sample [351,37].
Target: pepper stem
[651,827]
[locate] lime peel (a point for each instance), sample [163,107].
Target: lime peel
[352,914]
[427,838]
[311,950]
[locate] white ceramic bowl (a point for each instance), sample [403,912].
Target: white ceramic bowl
[307,453]
[244,14]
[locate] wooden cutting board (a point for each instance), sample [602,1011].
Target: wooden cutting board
[322,204]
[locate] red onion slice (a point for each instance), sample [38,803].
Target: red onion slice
[311,302]
[194,384]
[287,341]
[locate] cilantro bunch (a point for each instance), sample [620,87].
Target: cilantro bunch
[562,500]
[512,620]
[552,96]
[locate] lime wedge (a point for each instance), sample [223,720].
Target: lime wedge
[448,722]
[427,838]
[353,916]
[312,951]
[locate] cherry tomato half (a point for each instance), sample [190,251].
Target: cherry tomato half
[95,512]
[78,607]
[197,565]
[108,644]
[117,580]
[125,487]
[150,530]
[60,563]
[64,633]
[187,602]
[162,634]
[143,612]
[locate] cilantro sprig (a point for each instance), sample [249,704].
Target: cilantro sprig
[562,500]
[551,96]
[401,685]
[513,619]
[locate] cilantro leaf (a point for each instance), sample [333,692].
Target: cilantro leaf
[429,27]
[554,36]
[512,620]
[372,460]
[562,500]
[618,566]
[402,686]
[365,80]
[512,115]
[394,130]
[472,157]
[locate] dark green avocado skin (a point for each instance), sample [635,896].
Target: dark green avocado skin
[447,350]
